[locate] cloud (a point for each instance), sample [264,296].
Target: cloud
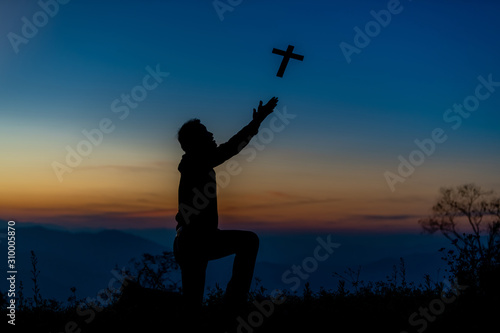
[125,168]
[388,217]
[152,166]
[294,202]
[138,219]
[281,194]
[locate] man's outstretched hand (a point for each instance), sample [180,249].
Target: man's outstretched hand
[265,110]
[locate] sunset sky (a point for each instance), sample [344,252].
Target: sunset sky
[323,169]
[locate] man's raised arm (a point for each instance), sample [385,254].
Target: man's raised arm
[239,141]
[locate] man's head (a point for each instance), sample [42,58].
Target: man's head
[193,136]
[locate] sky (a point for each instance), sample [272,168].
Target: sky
[376,76]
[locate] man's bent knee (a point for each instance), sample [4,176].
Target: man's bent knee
[253,239]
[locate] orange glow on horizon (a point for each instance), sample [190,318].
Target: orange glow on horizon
[271,192]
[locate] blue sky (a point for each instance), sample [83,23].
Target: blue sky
[353,119]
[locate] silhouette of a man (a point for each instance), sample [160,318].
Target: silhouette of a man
[198,237]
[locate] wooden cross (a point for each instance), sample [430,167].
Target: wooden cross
[286,57]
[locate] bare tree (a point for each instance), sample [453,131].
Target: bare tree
[470,218]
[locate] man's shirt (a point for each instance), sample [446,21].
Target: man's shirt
[198,187]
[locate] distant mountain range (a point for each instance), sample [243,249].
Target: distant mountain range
[85,259]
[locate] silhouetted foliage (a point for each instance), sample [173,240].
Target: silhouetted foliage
[3,300]
[214,295]
[259,291]
[395,284]
[350,275]
[384,305]
[155,271]
[470,218]
[72,300]
[20,294]
[37,297]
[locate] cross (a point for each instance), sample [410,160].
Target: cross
[286,57]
